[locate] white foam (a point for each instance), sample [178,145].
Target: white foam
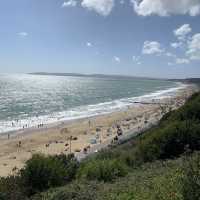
[86,111]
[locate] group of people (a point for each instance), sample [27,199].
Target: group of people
[40,125]
[26,125]
[119,133]
[13,124]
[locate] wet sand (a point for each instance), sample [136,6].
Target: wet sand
[94,132]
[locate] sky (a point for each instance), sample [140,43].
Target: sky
[154,38]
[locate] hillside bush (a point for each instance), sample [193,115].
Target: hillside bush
[43,172]
[102,170]
[170,141]
[191,179]
[11,189]
[189,111]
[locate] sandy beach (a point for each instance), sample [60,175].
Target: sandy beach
[86,133]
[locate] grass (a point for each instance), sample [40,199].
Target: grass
[160,180]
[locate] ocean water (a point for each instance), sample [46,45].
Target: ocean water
[29,100]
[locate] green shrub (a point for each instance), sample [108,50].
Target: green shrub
[11,189]
[123,196]
[170,141]
[43,172]
[71,165]
[191,179]
[74,191]
[190,111]
[102,170]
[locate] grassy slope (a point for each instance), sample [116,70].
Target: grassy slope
[158,180]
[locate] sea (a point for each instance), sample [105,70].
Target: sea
[28,100]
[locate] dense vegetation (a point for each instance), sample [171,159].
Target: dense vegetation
[162,163]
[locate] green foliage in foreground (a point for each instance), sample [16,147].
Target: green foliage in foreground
[43,172]
[40,173]
[170,141]
[137,170]
[102,170]
[11,189]
[191,180]
[153,181]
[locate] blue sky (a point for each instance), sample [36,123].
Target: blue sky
[157,38]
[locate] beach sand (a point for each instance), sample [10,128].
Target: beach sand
[54,139]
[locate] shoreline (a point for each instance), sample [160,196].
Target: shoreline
[96,132]
[59,121]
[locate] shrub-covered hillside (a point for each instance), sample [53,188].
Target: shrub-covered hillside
[161,164]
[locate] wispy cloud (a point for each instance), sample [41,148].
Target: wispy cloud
[22,34]
[117,59]
[193,50]
[176,45]
[182,61]
[136,59]
[182,31]
[169,54]
[70,3]
[189,44]
[89,44]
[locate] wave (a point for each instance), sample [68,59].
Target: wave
[86,111]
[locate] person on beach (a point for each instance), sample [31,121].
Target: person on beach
[119,130]
[19,144]
[85,150]
[115,139]
[8,136]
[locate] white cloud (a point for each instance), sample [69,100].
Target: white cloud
[117,59]
[121,2]
[170,63]
[89,44]
[194,47]
[182,61]
[182,31]
[136,59]
[176,45]
[102,7]
[23,34]
[169,54]
[166,7]
[152,47]
[70,3]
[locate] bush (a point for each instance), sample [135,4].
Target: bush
[74,191]
[170,141]
[102,170]
[190,111]
[42,172]
[10,189]
[71,165]
[191,179]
